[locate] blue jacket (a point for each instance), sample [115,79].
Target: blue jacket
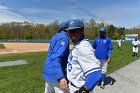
[102,47]
[56,61]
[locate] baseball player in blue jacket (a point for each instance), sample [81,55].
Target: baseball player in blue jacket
[83,69]
[103,51]
[56,62]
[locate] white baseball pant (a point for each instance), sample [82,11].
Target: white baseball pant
[119,44]
[135,49]
[53,86]
[103,65]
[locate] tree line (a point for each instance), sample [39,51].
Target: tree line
[27,30]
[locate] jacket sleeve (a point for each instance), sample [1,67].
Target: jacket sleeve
[110,45]
[56,57]
[59,49]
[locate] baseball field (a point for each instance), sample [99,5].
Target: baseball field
[28,78]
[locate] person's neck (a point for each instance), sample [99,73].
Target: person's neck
[102,37]
[79,40]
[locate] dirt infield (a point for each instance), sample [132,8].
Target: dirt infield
[24,47]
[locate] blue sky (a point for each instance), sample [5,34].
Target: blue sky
[121,13]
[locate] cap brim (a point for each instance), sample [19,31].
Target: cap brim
[72,28]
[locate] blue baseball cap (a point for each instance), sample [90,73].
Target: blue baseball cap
[75,24]
[64,25]
[103,29]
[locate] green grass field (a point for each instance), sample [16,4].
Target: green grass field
[2,46]
[121,58]
[28,78]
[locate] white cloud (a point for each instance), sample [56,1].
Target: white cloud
[9,15]
[51,13]
[3,7]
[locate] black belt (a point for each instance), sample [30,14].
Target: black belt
[73,85]
[135,46]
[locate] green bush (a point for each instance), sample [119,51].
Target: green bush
[2,46]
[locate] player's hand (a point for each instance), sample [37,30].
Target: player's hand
[108,60]
[63,84]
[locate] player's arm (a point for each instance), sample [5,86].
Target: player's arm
[110,45]
[138,43]
[90,82]
[109,56]
[60,49]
